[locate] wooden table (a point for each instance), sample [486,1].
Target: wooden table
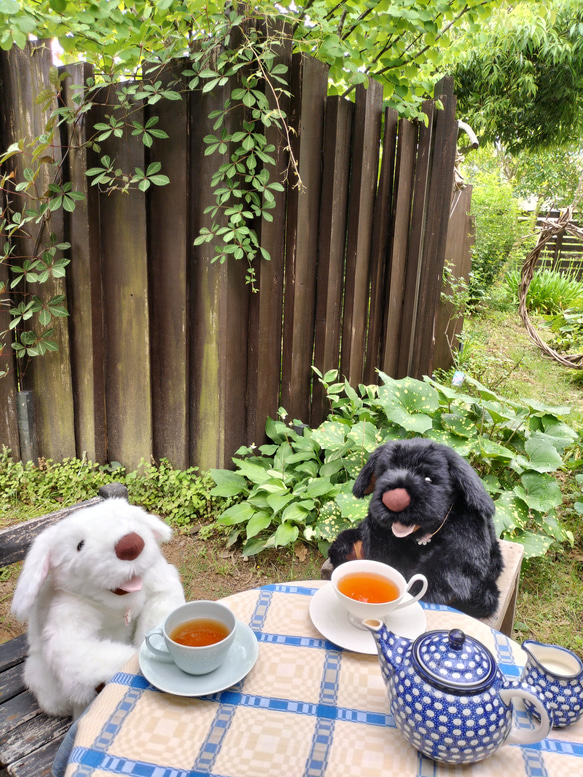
[306,709]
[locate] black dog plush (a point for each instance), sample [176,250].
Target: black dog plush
[429,513]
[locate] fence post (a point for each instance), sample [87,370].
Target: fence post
[25,73]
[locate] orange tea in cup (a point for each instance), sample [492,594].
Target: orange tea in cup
[368,587]
[199,632]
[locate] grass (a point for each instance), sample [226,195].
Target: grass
[499,353]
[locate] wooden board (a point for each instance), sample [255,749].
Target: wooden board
[331,245]
[219,308]
[404,174]
[437,217]
[416,238]
[265,320]
[123,241]
[380,267]
[84,286]
[169,246]
[363,184]
[48,376]
[309,83]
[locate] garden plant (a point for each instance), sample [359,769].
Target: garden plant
[299,485]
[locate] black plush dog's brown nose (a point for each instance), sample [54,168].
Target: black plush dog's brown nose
[129,547]
[397,499]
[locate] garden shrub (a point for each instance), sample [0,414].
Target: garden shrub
[299,486]
[549,292]
[180,496]
[496,213]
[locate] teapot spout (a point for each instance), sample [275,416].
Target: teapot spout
[391,648]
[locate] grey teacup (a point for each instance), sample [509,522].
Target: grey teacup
[193,659]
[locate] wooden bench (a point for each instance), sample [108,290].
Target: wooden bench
[503,618]
[29,739]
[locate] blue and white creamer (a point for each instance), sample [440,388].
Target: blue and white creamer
[557,674]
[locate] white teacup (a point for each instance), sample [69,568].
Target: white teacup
[356,577]
[166,643]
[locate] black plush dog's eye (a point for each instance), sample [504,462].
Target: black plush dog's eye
[429,480]
[80,545]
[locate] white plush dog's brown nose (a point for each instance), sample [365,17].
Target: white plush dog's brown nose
[397,499]
[129,547]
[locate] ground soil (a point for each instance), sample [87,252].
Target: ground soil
[208,571]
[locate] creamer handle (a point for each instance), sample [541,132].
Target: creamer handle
[526,736]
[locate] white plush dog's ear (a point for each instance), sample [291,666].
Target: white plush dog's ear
[34,572]
[161,531]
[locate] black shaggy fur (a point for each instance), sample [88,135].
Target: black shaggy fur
[462,561]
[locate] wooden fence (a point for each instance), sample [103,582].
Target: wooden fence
[564,252]
[168,355]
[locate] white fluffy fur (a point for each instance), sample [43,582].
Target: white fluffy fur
[80,633]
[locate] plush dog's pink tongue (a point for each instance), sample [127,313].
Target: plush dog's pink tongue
[133,584]
[397,499]
[400,530]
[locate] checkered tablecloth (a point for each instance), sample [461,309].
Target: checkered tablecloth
[306,709]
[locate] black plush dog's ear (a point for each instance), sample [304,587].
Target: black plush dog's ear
[366,480]
[468,484]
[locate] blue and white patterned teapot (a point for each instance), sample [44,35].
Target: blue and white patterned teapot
[449,698]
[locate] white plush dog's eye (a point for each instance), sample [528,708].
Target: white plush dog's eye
[80,545]
[429,480]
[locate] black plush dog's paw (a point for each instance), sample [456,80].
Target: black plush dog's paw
[346,547]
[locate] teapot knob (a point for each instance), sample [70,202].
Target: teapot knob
[456,638]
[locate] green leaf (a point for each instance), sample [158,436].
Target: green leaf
[228,483]
[286,534]
[408,403]
[260,521]
[540,492]
[239,513]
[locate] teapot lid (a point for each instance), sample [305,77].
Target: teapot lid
[453,661]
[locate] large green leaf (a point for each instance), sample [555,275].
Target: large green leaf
[260,521]
[534,544]
[228,483]
[351,508]
[330,521]
[408,403]
[540,492]
[330,435]
[511,513]
[542,454]
[236,514]
[286,534]
[253,472]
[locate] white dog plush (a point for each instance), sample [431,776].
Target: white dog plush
[90,588]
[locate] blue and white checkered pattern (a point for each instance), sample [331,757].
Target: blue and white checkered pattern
[307,709]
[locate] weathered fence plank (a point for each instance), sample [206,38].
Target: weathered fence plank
[26,73]
[219,302]
[308,87]
[169,241]
[404,175]
[123,241]
[363,182]
[331,245]
[84,292]
[416,238]
[438,205]
[381,237]
[265,320]
[458,258]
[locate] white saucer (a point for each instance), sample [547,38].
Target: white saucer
[168,677]
[331,620]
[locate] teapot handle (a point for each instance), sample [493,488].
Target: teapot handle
[526,736]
